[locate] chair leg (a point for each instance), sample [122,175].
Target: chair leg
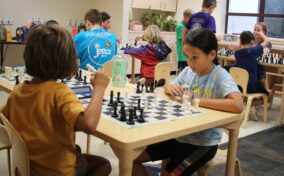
[253,113]
[238,169]
[88,144]
[272,96]
[265,109]
[247,110]
[9,162]
[246,116]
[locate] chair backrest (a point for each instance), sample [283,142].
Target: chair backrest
[163,71]
[20,157]
[241,77]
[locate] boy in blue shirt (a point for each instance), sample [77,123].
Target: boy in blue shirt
[95,46]
[246,58]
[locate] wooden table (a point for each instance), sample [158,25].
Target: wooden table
[128,143]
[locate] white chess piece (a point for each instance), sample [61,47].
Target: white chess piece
[126,96]
[155,99]
[145,105]
[196,103]
[8,72]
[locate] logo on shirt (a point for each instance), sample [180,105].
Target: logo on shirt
[100,50]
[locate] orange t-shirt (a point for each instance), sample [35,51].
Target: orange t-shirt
[44,114]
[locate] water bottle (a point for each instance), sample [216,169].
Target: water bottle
[119,66]
[3,33]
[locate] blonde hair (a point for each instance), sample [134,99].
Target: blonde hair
[152,34]
[187,13]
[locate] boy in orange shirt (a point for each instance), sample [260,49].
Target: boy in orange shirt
[47,113]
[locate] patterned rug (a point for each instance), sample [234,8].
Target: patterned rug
[261,154]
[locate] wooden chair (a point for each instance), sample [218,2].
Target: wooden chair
[163,71]
[241,77]
[20,158]
[5,145]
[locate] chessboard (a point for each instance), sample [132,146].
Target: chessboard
[139,110]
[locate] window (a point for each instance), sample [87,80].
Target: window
[243,14]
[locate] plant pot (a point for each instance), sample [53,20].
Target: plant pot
[172,28]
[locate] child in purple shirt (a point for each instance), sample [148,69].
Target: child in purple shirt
[202,19]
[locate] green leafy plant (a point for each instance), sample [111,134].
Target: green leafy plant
[155,18]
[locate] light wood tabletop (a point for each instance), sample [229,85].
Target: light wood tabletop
[128,143]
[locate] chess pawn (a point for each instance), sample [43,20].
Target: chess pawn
[141,118]
[130,120]
[196,103]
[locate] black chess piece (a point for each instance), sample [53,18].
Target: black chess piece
[62,81]
[146,88]
[122,113]
[138,88]
[141,117]
[118,98]
[111,99]
[130,120]
[17,79]
[77,75]
[152,88]
[139,104]
[121,106]
[85,80]
[135,113]
[114,114]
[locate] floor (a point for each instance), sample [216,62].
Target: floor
[99,148]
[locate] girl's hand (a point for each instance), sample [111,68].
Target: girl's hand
[100,80]
[174,90]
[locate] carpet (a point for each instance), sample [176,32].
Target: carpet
[261,154]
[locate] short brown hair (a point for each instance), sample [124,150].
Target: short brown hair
[152,34]
[50,53]
[94,16]
[209,3]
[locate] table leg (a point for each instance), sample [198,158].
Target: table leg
[126,157]
[232,151]
[1,57]
[133,70]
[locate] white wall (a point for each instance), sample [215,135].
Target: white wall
[22,11]
[195,5]
[113,7]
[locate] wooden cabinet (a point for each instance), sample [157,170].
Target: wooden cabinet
[169,5]
[163,5]
[140,4]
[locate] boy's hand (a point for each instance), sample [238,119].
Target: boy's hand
[174,90]
[100,80]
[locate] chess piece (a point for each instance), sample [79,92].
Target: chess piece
[138,88]
[141,118]
[114,114]
[126,96]
[142,88]
[135,113]
[85,80]
[121,107]
[139,104]
[111,99]
[62,81]
[17,79]
[196,103]
[152,87]
[130,120]
[118,98]
[145,105]
[122,113]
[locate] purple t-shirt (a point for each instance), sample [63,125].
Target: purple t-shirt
[201,20]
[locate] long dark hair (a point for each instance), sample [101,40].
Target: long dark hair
[203,39]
